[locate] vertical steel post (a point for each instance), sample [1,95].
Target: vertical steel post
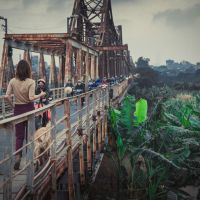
[8,167]
[30,153]
[89,155]
[94,139]
[70,172]
[42,70]
[99,121]
[81,154]
[78,64]
[53,73]
[53,153]
[68,58]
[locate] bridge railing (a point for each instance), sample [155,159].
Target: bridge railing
[57,93]
[5,108]
[7,111]
[72,122]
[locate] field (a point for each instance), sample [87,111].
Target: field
[154,157]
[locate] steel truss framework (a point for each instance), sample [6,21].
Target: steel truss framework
[92,48]
[92,23]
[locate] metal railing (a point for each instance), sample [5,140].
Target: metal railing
[57,93]
[71,121]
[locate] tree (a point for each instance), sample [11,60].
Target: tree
[142,62]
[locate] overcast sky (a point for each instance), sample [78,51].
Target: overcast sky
[157,29]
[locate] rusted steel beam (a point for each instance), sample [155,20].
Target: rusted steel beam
[84,47]
[61,75]
[78,64]
[42,70]
[112,48]
[31,48]
[2,67]
[88,133]
[97,67]
[86,75]
[81,161]
[37,36]
[53,73]
[27,57]
[70,178]
[92,71]
[10,67]
[108,67]
[68,58]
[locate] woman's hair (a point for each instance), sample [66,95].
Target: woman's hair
[23,70]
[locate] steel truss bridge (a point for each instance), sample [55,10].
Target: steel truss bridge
[92,48]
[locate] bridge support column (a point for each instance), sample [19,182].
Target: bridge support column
[81,161]
[61,71]
[89,156]
[10,73]
[30,154]
[97,67]
[92,74]
[53,153]
[70,173]
[94,139]
[8,166]
[93,67]
[78,64]
[99,124]
[68,59]
[108,67]
[53,73]
[42,70]
[105,123]
[81,150]
[88,138]
[103,117]
[3,66]
[86,75]
[28,58]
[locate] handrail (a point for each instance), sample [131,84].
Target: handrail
[66,140]
[7,127]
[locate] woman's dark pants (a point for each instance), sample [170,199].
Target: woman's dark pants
[21,128]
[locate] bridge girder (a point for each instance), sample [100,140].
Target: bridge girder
[92,22]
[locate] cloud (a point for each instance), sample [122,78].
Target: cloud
[180,17]
[124,1]
[59,5]
[27,3]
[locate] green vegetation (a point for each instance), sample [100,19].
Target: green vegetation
[159,155]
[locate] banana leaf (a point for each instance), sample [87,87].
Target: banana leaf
[194,123]
[179,158]
[114,117]
[187,111]
[127,110]
[140,114]
[172,119]
[121,148]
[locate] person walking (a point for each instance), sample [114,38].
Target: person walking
[69,87]
[23,88]
[44,100]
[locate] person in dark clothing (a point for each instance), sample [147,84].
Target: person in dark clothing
[43,100]
[79,89]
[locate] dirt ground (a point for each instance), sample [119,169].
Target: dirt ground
[105,185]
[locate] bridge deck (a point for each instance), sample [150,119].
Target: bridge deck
[80,118]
